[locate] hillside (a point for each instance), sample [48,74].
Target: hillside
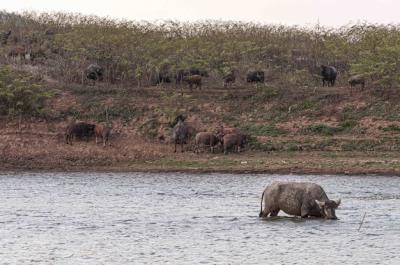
[296,124]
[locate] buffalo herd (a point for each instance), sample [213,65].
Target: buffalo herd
[230,139]
[193,77]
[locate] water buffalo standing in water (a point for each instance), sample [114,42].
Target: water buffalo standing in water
[255,77]
[94,72]
[180,134]
[328,74]
[299,199]
[79,130]
[206,139]
[357,80]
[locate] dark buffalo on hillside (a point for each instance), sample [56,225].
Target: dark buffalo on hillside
[229,79]
[4,37]
[234,142]
[180,134]
[329,74]
[357,80]
[50,32]
[180,117]
[196,71]
[192,71]
[255,77]
[17,52]
[193,80]
[163,78]
[204,139]
[94,72]
[80,130]
[38,54]
[103,132]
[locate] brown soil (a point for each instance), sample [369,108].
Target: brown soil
[36,147]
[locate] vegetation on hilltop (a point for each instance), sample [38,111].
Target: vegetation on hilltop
[21,93]
[135,52]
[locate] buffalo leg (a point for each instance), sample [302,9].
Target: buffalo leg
[175,148]
[274,212]
[304,211]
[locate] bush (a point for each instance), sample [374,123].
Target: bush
[320,129]
[261,130]
[392,128]
[21,93]
[134,52]
[345,126]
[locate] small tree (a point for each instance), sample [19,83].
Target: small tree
[381,65]
[21,94]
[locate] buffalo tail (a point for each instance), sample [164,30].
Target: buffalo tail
[261,210]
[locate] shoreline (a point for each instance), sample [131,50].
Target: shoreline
[285,163]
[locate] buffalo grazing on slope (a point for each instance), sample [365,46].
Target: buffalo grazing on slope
[229,79]
[79,130]
[255,77]
[4,37]
[181,74]
[357,80]
[103,132]
[193,80]
[180,134]
[234,141]
[203,139]
[329,74]
[94,72]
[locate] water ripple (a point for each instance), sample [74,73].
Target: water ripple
[92,218]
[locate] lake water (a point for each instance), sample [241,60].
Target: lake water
[137,218]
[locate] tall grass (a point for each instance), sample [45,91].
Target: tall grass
[134,52]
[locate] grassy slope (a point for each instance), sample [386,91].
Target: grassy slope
[298,129]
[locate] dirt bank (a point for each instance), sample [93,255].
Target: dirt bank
[40,152]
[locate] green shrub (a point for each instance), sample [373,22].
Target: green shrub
[392,128]
[263,130]
[320,129]
[347,126]
[381,64]
[21,93]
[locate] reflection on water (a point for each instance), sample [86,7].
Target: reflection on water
[91,218]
